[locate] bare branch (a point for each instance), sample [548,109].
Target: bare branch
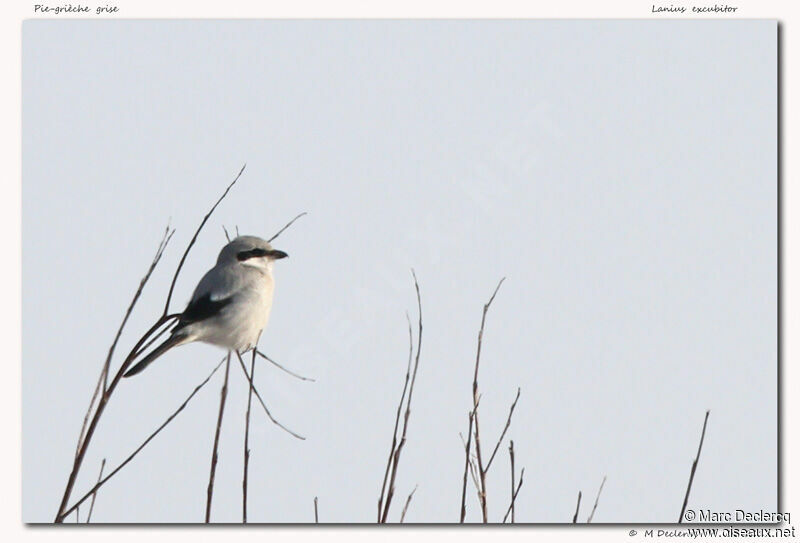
[694,468]
[247,439]
[513,477]
[285,227]
[514,497]
[397,418]
[103,379]
[390,491]
[293,374]
[130,457]
[88,431]
[222,397]
[194,238]
[316,513]
[481,469]
[466,465]
[405,507]
[263,405]
[577,508]
[508,423]
[94,494]
[596,499]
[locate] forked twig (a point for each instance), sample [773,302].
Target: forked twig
[508,423]
[261,401]
[130,457]
[514,496]
[401,444]
[597,498]
[467,446]
[397,419]
[694,468]
[478,454]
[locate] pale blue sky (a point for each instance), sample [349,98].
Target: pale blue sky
[621,174]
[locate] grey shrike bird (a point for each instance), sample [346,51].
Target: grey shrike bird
[231,304]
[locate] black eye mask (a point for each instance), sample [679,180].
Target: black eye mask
[252,253]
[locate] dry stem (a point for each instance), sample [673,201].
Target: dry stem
[223,395]
[694,468]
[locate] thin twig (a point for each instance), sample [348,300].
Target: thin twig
[694,467]
[508,423]
[577,508]
[481,469]
[408,501]
[88,431]
[194,238]
[514,497]
[293,374]
[401,444]
[597,498]
[467,446]
[316,512]
[130,457]
[94,494]
[103,379]
[287,226]
[263,405]
[513,477]
[247,440]
[397,418]
[223,395]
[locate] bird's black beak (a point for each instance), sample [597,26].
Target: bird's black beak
[276,254]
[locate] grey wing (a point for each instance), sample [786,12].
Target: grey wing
[214,292]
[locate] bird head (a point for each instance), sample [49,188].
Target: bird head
[250,251]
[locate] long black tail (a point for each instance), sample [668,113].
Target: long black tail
[172,341]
